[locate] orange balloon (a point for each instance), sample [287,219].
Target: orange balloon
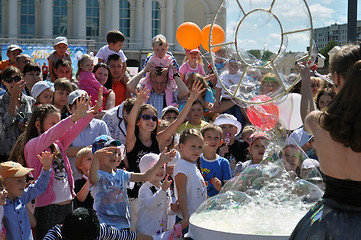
[189,35]
[218,37]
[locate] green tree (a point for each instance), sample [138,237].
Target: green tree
[324,51]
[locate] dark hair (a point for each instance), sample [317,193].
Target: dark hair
[17,152]
[188,133]
[143,107]
[342,117]
[325,91]
[114,57]
[63,63]
[63,84]
[128,104]
[31,67]
[198,101]
[81,224]
[9,71]
[108,84]
[114,36]
[39,114]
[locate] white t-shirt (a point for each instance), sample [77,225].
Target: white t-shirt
[61,186]
[153,205]
[228,80]
[105,52]
[196,187]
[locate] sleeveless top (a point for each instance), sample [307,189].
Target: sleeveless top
[343,191]
[134,157]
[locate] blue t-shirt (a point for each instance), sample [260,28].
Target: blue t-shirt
[218,168]
[111,199]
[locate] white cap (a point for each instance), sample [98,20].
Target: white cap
[148,161]
[39,87]
[226,118]
[60,39]
[310,163]
[169,108]
[75,94]
[14,47]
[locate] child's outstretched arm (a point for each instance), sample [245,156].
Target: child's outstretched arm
[164,158]
[141,97]
[133,82]
[46,159]
[172,128]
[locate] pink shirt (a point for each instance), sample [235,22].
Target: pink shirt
[62,134]
[91,85]
[186,70]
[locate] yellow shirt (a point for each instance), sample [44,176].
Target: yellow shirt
[187,125]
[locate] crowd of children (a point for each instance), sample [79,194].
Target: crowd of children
[144,170]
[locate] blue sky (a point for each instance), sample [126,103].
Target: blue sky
[260,30]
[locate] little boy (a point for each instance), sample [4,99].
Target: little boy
[12,52]
[154,199]
[16,218]
[115,41]
[83,161]
[42,92]
[31,75]
[110,184]
[216,170]
[231,149]
[60,46]
[195,116]
[62,88]
[170,114]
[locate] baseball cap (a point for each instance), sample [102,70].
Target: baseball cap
[226,118]
[196,50]
[257,135]
[13,169]
[76,94]
[39,87]
[148,161]
[104,141]
[14,47]
[59,40]
[169,108]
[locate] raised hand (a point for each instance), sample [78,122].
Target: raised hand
[216,183]
[98,103]
[196,90]
[142,94]
[304,70]
[166,157]
[166,183]
[149,66]
[17,88]
[46,159]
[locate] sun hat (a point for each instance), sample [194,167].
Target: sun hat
[60,39]
[104,141]
[13,169]
[148,161]
[14,47]
[167,109]
[226,118]
[76,94]
[39,87]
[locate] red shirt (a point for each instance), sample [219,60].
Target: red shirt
[45,69]
[119,89]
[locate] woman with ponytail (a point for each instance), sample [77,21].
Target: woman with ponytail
[337,134]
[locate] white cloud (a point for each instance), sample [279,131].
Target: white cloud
[321,12]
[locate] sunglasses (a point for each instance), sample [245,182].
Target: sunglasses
[147,117]
[11,79]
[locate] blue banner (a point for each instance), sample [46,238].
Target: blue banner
[40,53]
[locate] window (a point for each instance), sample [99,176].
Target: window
[124,17]
[155,18]
[1,20]
[60,18]
[92,18]
[27,19]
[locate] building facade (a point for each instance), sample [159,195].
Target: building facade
[139,20]
[335,32]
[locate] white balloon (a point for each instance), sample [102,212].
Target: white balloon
[290,111]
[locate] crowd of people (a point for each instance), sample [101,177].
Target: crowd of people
[106,155]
